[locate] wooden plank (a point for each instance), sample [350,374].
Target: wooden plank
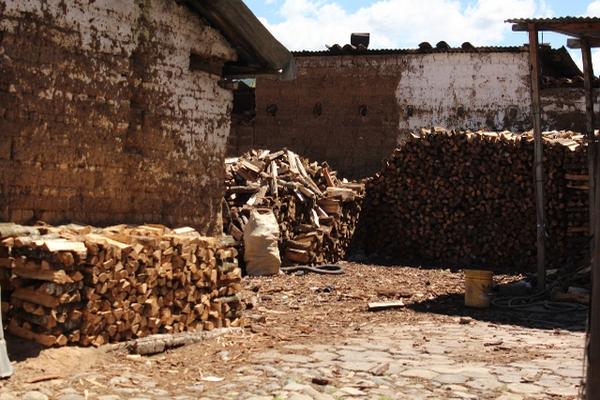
[249,189]
[576,29]
[94,237]
[184,230]
[250,166]
[212,66]
[292,162]
[258,50]
[56,245]
[47,275]
[297,255]
[9,229]
[257,197]
[588,77]
[538,156]
[35,297]
[577,177]
[274,174]
[593,350]
[327,176]
[593,384]
[576,43]
[44,340]
[385,305]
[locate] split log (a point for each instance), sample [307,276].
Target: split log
[467,199]
[93,286]
[306,198]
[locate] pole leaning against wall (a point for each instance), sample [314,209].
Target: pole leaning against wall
[6,369]
[538,156]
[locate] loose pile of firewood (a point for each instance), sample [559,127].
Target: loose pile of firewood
[468,199]
[87,286]
[317,212]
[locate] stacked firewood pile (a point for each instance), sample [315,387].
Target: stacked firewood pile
[86,286]
[317,212]
[468,199]
[576,200]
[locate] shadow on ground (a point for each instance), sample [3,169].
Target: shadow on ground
[539,316]
[361,258]
[21,349]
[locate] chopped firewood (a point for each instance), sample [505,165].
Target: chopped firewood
[91,286]
[304,198]
[43,378]
[159,343]
[467,198]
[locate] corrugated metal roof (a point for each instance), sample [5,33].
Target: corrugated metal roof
[557,20]
[258,51]
[337,50]
[579,27]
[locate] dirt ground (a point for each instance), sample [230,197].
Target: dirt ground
[307,312]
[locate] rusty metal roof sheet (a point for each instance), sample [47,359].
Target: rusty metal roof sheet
[258,51]
[557,20]
[579,27]
[338,50]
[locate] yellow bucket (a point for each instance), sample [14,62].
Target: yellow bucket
[477,286]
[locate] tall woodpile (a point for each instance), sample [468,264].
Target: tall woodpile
[467,198]
[316,210]
[576,200]
[87,286]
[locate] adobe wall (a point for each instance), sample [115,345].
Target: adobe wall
[102,120]
[402,93]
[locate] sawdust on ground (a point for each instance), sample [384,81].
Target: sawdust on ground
[309,308]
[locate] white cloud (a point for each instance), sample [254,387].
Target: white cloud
[593,9]
[310,24]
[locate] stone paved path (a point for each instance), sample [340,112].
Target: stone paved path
[427,360]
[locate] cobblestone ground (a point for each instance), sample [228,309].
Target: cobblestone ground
[423,360]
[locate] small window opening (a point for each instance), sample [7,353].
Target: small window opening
[318,110]
[272,109]
[363,110]
[212,66]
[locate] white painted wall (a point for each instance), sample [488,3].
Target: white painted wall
[464,90]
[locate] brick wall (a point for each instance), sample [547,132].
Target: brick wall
[340,109]
[102,120]
[402,93]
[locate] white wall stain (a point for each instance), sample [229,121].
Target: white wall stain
[463,91]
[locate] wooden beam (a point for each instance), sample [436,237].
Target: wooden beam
[588,76]
[576,43]
[211,65]
[574,29]
[593,345]
[253,42]
[593,350]
[538,156]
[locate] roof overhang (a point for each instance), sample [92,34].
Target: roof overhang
[259,53]
[577,27]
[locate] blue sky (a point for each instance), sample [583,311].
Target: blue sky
[311,24]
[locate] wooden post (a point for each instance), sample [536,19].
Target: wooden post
[593,345]
[538,156]
[588,76]
[593,349]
